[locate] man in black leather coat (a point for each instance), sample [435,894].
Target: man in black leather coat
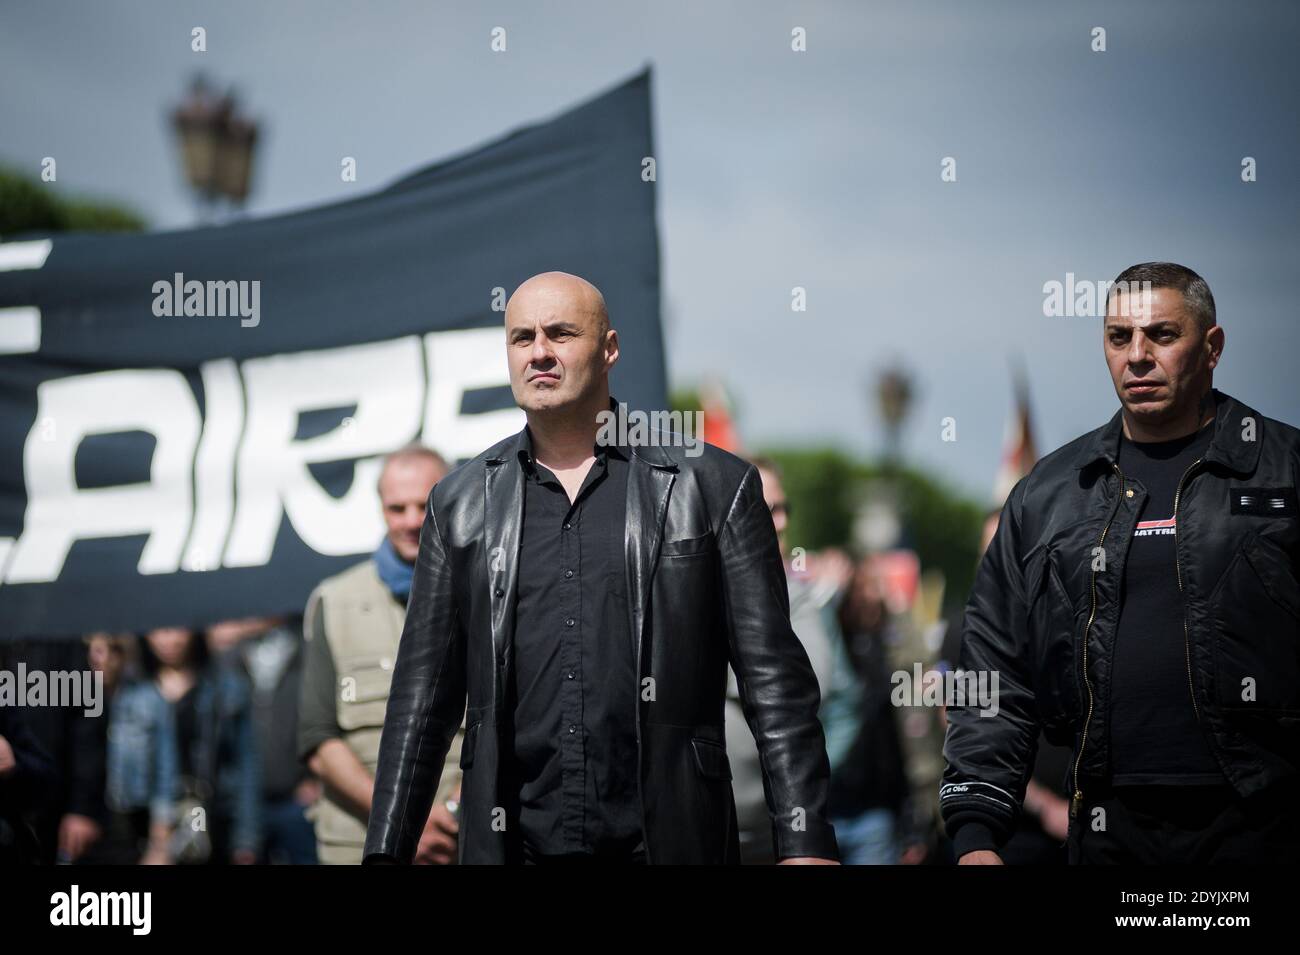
[586,590]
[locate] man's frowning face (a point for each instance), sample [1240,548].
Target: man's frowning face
[1160,359]
[558,342]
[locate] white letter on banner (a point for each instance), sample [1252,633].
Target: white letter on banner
[461,361]
[20,326]
[214,480]
[385,381]
[158,401]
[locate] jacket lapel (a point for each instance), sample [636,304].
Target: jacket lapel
[649,484]
[503,507]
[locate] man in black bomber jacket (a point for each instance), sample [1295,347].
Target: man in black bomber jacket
[1140,604]
[586,591]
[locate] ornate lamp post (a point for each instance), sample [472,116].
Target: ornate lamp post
[894,394]
[878,522]
[216,146]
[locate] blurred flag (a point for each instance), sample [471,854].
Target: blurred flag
[1019,452]
[719,427]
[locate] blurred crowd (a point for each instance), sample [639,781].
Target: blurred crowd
[192,760]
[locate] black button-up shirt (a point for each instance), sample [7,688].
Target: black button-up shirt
[571,754]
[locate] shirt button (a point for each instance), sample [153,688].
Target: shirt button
[1128,493]
[570,674]
[500,592]
[569,622]
[567,525]
[572,729]
[568,573]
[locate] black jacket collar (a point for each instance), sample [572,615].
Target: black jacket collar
[1229,446]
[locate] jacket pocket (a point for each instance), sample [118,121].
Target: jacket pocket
[364,685]
[1256,630]
[711,759]
[1272,565]
[1056,657]
[467,746]
[688,547]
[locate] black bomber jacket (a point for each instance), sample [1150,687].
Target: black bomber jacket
[1044,616]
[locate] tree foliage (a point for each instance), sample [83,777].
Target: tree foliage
[30,206]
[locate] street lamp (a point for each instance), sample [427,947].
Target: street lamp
[894,396]
[216,145]
[878,523]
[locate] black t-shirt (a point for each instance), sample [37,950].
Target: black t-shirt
[1154,735]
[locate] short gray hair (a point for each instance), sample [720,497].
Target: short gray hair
[1196,293]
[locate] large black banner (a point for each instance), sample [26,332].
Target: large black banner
[191,422]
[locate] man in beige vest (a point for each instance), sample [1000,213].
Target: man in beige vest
[353,623]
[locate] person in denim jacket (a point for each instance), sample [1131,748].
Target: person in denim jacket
[218,766]
[143,766]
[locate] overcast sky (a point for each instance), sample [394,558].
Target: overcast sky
[777,169]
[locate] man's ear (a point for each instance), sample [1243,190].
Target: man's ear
[611,349]
[1214,340]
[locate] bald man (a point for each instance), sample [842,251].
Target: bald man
[586,596]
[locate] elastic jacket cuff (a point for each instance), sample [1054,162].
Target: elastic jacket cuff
[973,836]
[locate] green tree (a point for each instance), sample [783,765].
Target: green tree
[28,205]
[825,488]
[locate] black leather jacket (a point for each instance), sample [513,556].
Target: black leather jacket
[706,587]
[1045,619]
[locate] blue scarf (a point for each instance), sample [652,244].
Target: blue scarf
[393,571]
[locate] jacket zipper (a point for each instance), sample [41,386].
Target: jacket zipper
[1187,640]
[1077,799]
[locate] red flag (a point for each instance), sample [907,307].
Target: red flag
[719,429]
